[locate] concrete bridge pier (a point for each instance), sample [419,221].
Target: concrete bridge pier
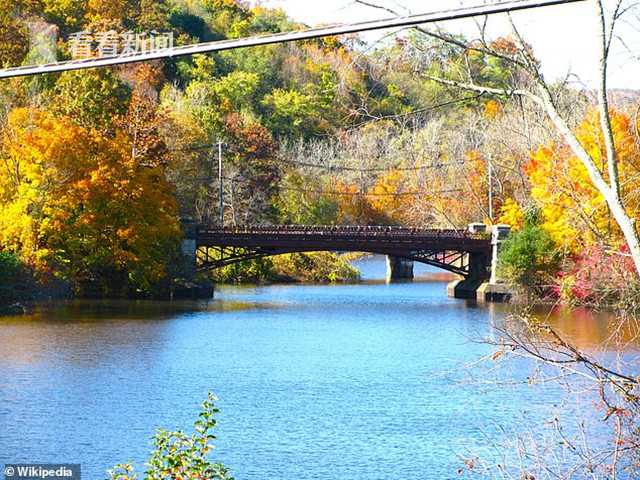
[186,286]
[399,269]
[479,263]
[495,290]
[479,273]
[482,283]
[188,246]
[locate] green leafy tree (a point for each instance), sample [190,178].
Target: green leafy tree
[254,271]
[290,112]
[67,14]
[316,267]
[16,284]
[299,208]
[236,90]
[91,98]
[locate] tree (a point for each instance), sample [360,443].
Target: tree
[574,211]
[299,206]
[16,283]
[92,98]
[67,14]
[252,172]
[143,121]
[13,39]
[529,256]
[290,112]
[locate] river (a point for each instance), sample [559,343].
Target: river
[351,381]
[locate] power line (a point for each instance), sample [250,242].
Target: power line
[308,34]
[365,194]
[372,169]
[337,193]
[417,111]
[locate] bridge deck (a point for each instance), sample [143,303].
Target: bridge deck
[342,238]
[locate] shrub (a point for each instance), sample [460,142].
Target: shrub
[600,277]
[313,267]
[316,267]
[178,455]
[529,257]
[249,271]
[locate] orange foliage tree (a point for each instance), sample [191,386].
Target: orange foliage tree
[385,203]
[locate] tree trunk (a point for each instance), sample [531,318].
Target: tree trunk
[628,227]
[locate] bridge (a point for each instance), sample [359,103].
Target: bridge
[467,253]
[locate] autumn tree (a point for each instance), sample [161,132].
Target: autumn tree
[91,98]
[76,204]
[252,171]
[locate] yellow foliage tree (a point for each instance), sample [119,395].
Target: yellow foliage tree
[387,196]
[80,204]
[492,110]
[574,211]
[512,214]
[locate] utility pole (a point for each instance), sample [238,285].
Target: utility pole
[220,184]
[490,172]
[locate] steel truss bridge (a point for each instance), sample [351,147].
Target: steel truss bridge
[457,251]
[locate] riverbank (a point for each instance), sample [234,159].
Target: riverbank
[21,291]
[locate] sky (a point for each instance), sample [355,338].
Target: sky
[564,37]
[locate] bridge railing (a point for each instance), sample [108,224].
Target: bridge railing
[339,230]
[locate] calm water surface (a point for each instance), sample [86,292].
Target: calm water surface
[353,382]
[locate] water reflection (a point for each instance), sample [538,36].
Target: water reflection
[590,330]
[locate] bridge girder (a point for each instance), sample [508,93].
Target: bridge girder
[213,257]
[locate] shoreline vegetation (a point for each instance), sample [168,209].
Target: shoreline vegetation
[20,289]
[530,263]
[543,271]
[313,267]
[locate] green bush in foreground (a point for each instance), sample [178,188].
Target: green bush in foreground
[177,455]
